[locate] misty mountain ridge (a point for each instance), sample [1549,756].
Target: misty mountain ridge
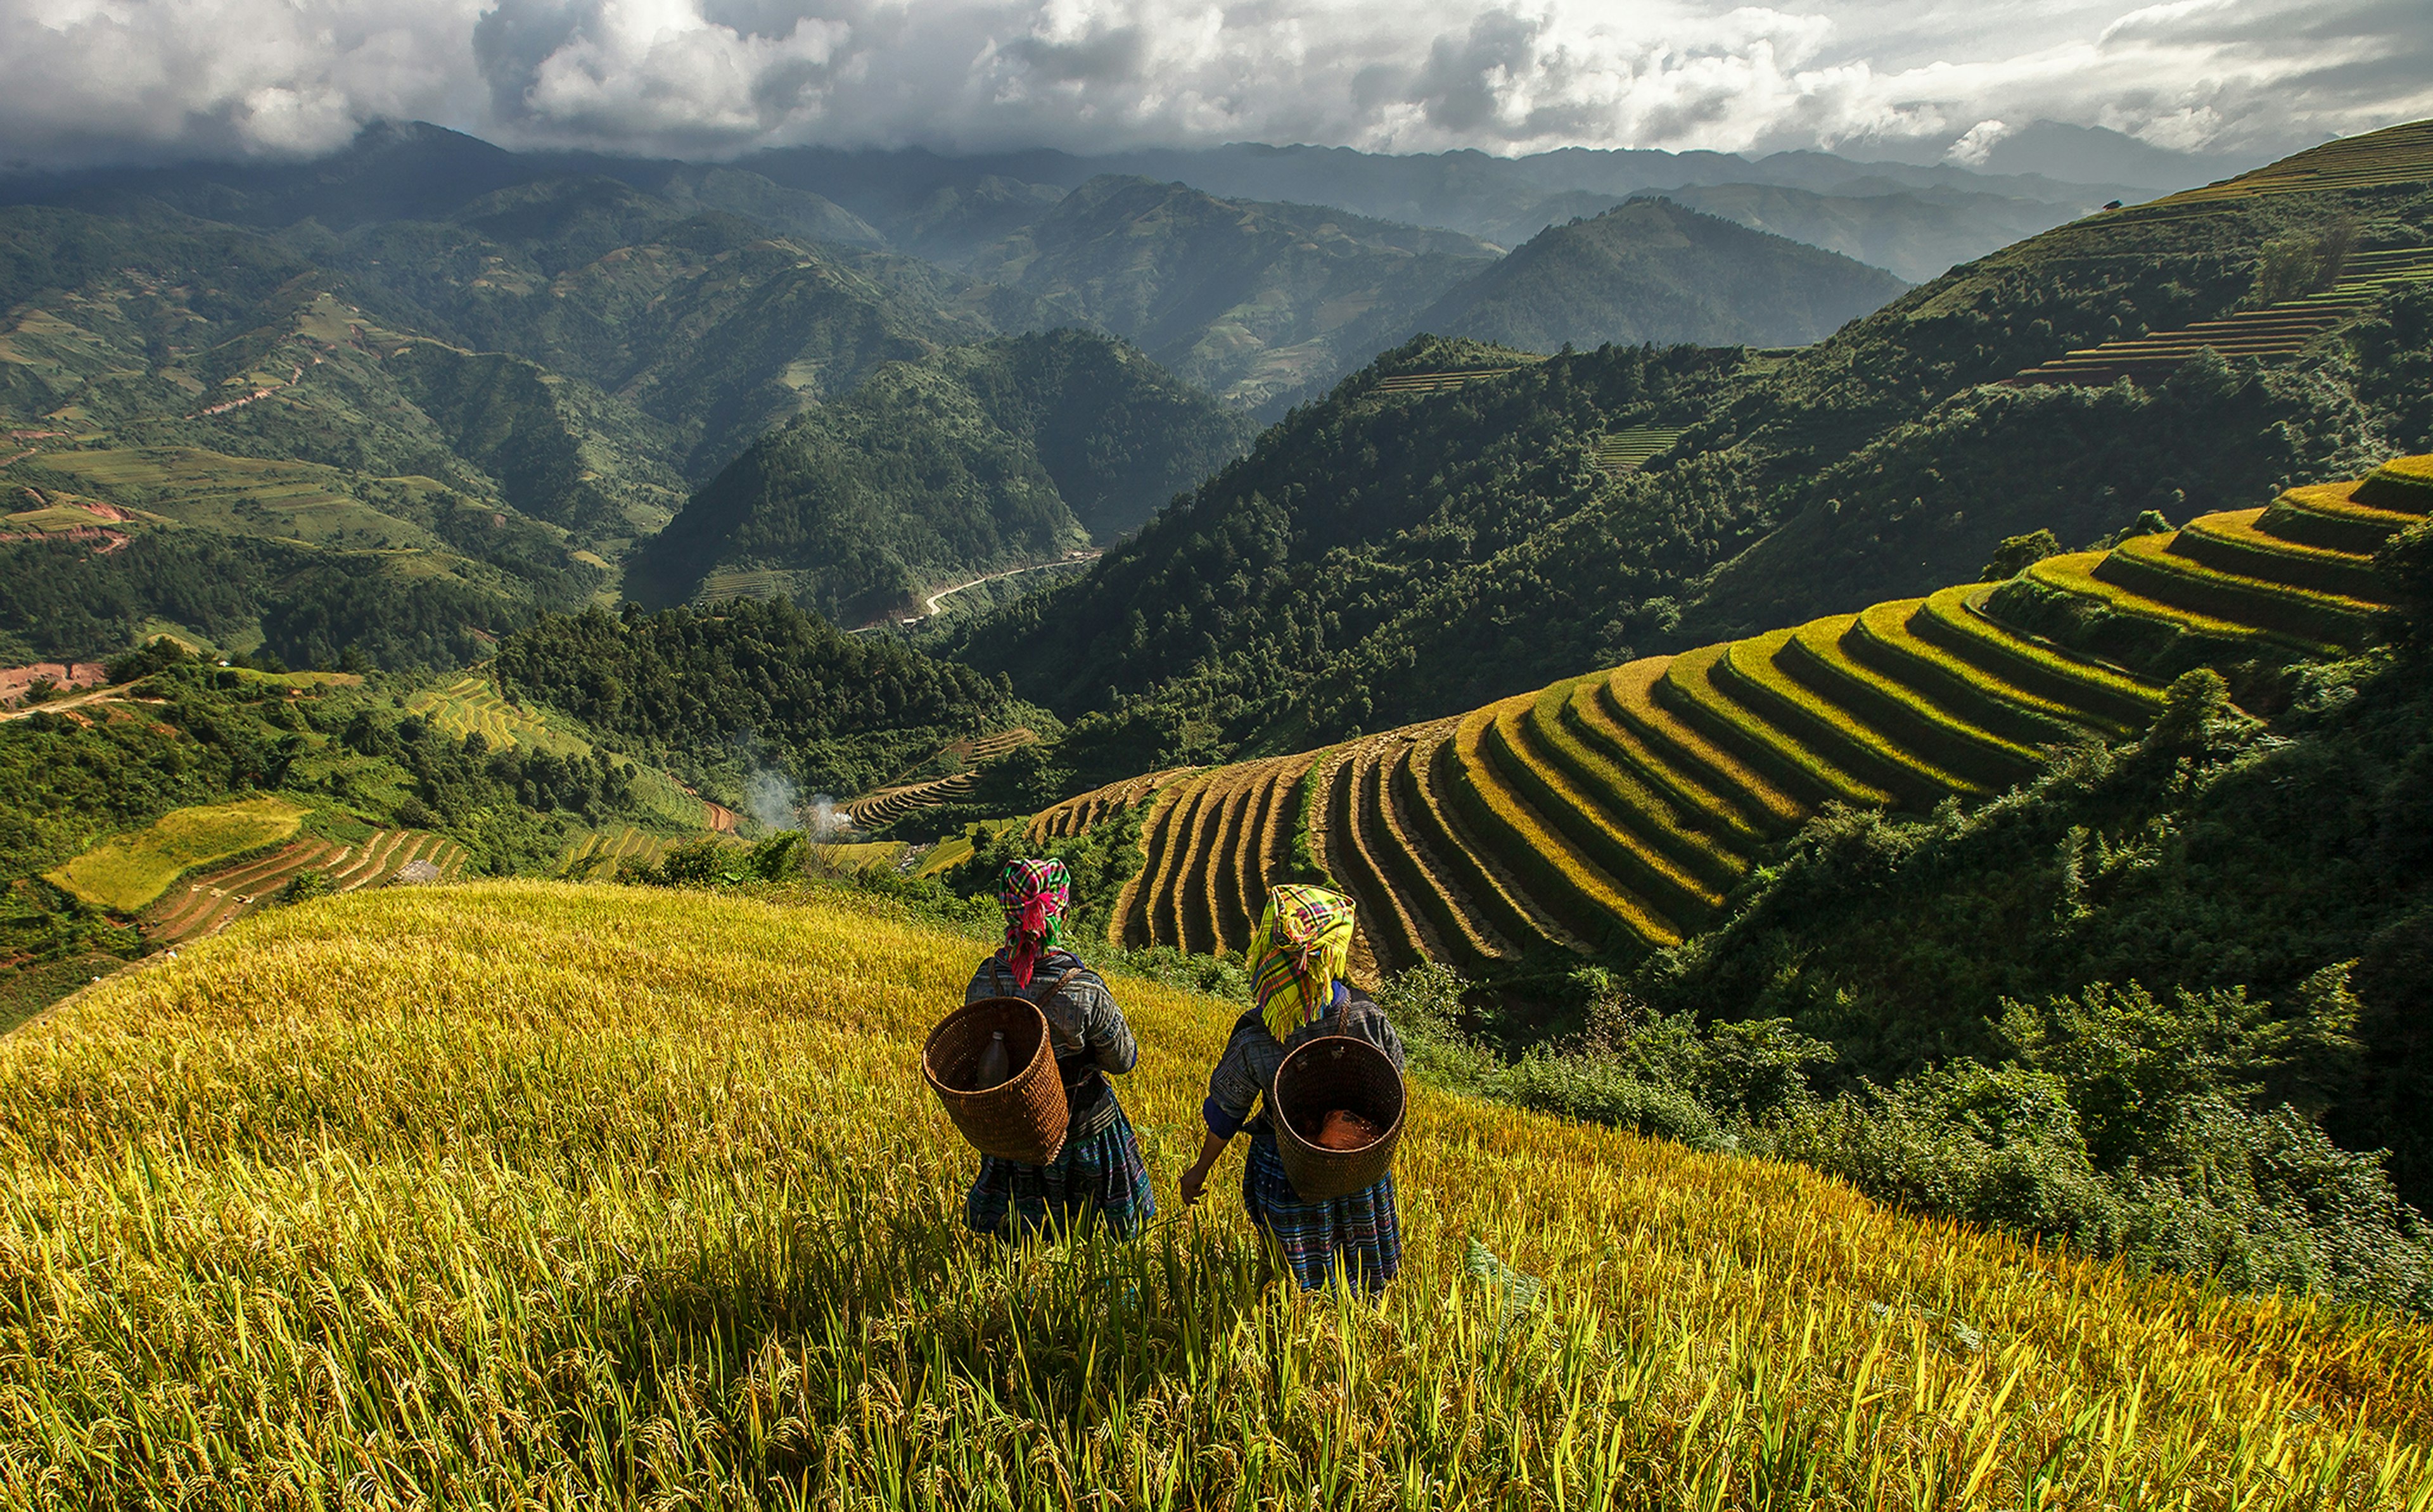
[1650,271]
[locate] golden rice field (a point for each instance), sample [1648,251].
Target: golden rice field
[126,873]
[1614,812]
[527,1194]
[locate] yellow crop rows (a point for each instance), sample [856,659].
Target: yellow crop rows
[1617,810]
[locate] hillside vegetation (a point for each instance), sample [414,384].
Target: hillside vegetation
[752,687]
[1250,300]
[974,460]
[655,1193]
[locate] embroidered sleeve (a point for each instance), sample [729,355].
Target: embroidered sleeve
[1104,1030]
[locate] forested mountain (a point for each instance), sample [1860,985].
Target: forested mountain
[1247,300]
[1412,546]
[1651,271]
[714,325]
[977,459]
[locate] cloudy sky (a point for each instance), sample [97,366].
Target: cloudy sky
[100,81]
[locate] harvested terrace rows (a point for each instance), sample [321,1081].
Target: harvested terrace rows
[1616,813]
[2276,331]
[881,806]
[207,904]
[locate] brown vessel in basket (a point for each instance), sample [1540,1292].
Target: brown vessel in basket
[1022,1118]
[1330,1071]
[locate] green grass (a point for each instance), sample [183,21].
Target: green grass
[535,1195]
[1694,689]
[126,873]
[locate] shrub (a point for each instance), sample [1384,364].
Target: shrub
[2017,554]
[303,887]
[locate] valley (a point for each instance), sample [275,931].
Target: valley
[1863,707]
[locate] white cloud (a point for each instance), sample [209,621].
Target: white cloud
[1975,142]
[99,78]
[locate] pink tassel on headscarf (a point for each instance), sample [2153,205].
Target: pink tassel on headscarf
[1034,895]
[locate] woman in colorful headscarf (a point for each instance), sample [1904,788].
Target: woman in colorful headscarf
[1297,975]
[1098,1173]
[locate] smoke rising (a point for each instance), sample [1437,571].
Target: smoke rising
[769,797]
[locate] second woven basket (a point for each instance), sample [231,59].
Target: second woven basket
[1322,1074]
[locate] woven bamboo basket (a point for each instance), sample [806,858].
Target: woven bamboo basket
[1330,1071]
[1020,1119]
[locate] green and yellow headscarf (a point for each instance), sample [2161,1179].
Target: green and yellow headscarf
[1304,939]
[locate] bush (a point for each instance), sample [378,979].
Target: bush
[303,887]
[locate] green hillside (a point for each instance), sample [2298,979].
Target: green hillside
[666,1209]
[1653,271]
[1915,233]
[973,461]
[716,326]
[1410,549]
[749,688]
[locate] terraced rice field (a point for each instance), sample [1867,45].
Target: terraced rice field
[1629,450]
[2276,331]
[126,873]
[1075,816]
[601,851]
[1618,810]
[885,806]
[209,904]
[471,705]
[1215,844]
[736,583]
[1437,383]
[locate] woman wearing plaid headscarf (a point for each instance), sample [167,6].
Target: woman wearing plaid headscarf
[1297,973]
[1099,1172]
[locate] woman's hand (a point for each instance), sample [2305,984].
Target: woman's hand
[1194,1182]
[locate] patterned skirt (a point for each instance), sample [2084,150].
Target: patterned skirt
[1100,1176]
[1358,1232]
